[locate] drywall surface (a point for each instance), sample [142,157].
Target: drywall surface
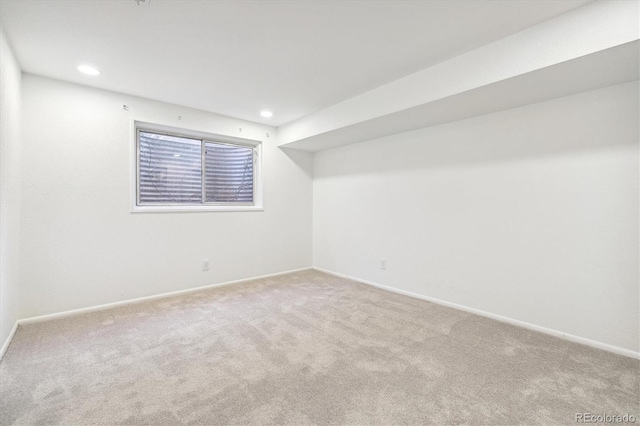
[589,29]
[529,213]
[81,245]
[10,76]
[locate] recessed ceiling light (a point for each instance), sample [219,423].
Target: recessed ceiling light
[266,114]
[89,70]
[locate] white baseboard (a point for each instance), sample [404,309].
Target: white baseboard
[523,324]
[549,331]
[5,346]
[147,298]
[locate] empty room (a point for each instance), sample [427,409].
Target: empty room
[332,212]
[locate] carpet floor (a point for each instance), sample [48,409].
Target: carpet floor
[303,348]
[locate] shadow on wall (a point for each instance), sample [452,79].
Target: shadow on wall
[303,159]
[591,120]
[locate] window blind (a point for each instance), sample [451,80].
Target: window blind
[170,171]
[228,173]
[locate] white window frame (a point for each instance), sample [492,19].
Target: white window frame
[139,125]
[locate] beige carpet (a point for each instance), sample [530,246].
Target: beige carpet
[303,348]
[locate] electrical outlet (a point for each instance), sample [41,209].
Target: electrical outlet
[383,264]
[205,264]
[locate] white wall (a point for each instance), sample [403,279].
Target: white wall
[10,76]
[529,213]
[82,247]
[583,31]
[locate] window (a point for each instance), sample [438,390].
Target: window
[179,170]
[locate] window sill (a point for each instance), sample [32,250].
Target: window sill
[194,209]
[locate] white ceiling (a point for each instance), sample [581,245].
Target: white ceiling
[239,57]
